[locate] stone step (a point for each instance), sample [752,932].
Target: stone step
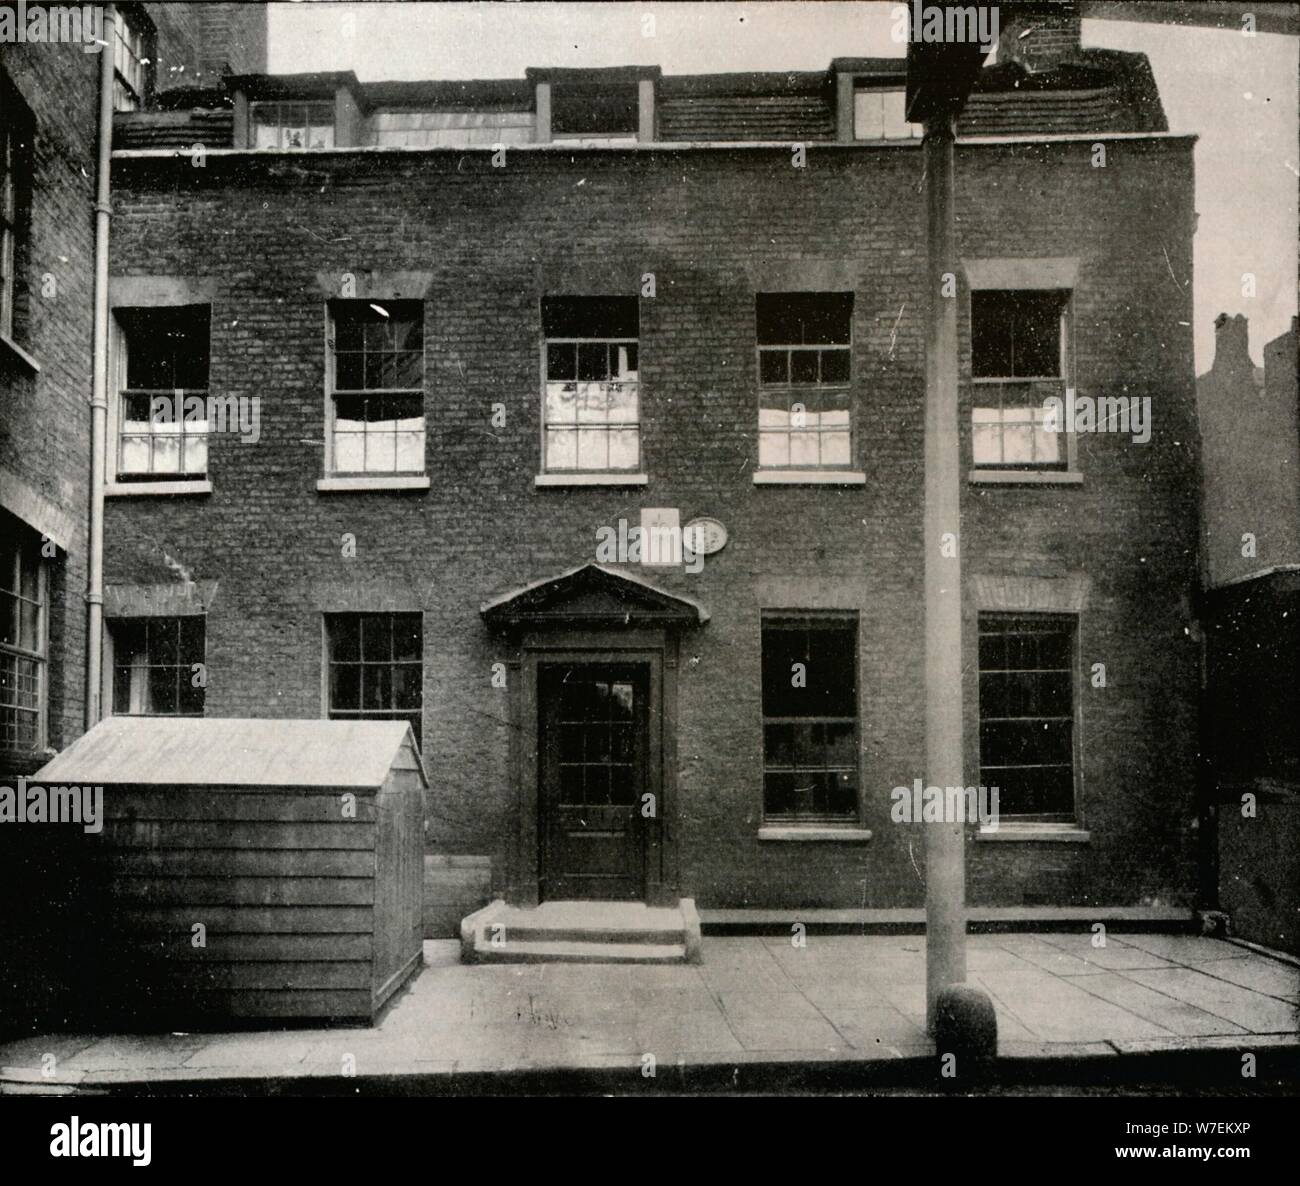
[582,932]
[560,952]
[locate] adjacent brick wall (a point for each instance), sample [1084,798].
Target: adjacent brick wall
[713,226]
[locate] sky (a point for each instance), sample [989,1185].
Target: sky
[1237,94]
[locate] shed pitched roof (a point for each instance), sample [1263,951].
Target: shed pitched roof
[226,751]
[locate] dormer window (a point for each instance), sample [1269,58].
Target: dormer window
[879,114]
[607,114]
[292,125]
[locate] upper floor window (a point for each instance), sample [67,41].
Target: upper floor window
[162,359]
[23,651]
[376,387]
[132,60]
[810,717]
[1018,361]
[15,144]
[158,666]
[376,667]
[879,113]
[591,418]
[292,125]
[804,371]
[1026,673]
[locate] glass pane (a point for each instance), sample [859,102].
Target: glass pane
[835,448]
[839,744]
[624,448]
[561,403]
[134,458]
[407,685]
[778,745]
[381,450]
[9,619]
[196,454]
[986,441]
[376,637]
[166,455]
[349,370]
[345,638]
[561,448]
[773,366]
[835,366]
[164,636]
[345,685]
[623,402]
[561,360]
[778,793]
[773,449]
[410,451]
[593,403]
[804,449]
[408,636]
[376,686]
[1017,439]
[322,134]
[192,629]
[407,369]
[162,689]
[593,360]
[593,449]
[266,127]
[803,366]
[349,452]
[191,698]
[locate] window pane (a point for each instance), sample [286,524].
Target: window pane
[561,448]
[835,366]
[376,638]
[835,448]
[805,450]
[561,360]
[624,448]
[593,449]
[773,366]
[561,403]
[773,449]
[803,366]
[408,634]
[804,318]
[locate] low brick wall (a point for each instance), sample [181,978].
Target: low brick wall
[454,886]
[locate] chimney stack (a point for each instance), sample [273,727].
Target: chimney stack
[1232,345]
[1039,36]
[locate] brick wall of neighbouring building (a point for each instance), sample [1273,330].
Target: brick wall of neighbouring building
[45,414]
[714,226]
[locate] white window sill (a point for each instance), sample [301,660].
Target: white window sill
[132,489]
[378,482]
[820,833]
[592,479]
[809,477]
[1025,477]
[7,344]
[1053,833]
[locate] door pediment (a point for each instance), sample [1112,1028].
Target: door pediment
[592,595]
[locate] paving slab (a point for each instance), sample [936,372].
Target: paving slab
[753,1000]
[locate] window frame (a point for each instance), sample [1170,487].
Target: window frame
[332,391]
[120,346]
[39,657]
[914,131]
[577,473]
[17,129]
[1062,384]
[414,717]
[792,389]
[1072,621]
[138,50]
[308,123]
[114,628]
[845,620]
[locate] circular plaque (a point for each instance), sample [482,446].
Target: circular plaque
[703,537]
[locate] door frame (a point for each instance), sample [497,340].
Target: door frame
[655,648]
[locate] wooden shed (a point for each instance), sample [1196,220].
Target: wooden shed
[245,869]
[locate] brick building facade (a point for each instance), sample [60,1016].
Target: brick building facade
[721,278]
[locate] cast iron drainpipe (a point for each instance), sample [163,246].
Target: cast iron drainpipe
[99,380]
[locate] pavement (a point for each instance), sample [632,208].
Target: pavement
[837,1002]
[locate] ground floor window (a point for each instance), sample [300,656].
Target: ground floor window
[810,714]
[1027,713]
[158,666]
[376,667]
[22,637]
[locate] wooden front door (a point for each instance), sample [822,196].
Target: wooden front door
[593,743]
